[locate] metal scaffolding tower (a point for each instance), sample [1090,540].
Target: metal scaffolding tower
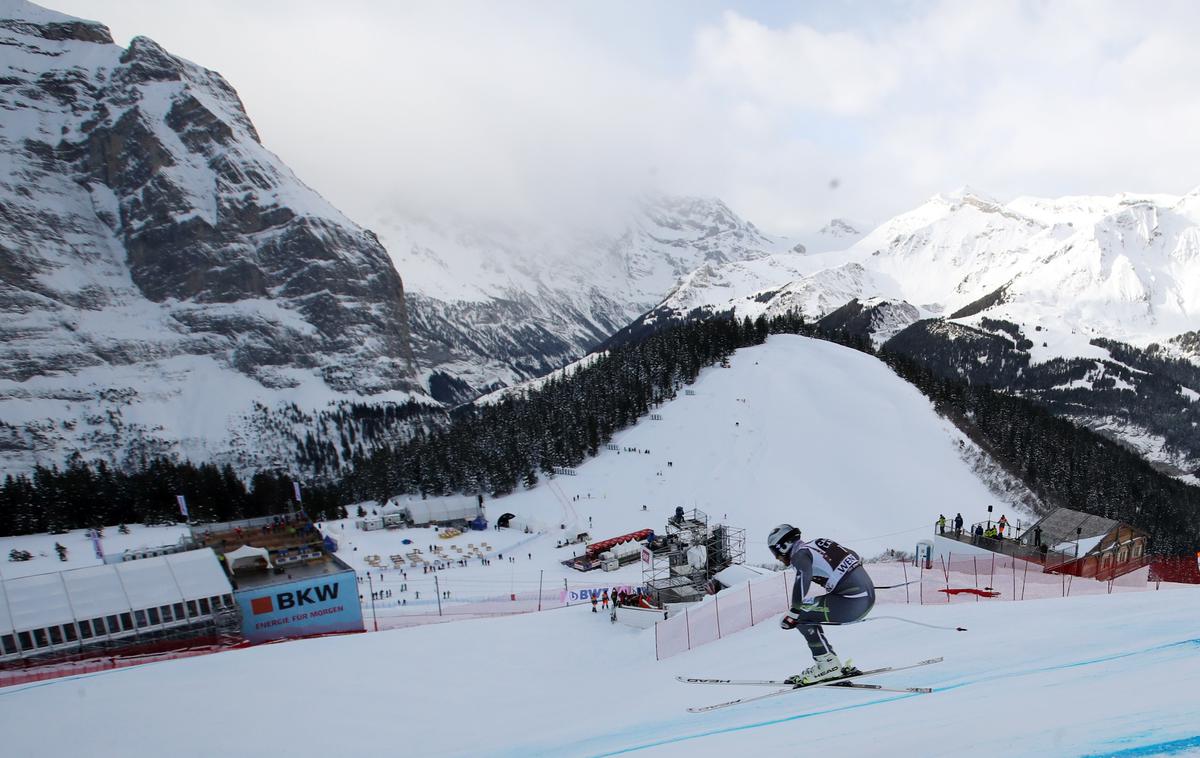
[686,558]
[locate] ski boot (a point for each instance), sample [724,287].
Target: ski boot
[824,667]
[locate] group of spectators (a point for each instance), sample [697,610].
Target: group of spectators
[993,531]
[635,599]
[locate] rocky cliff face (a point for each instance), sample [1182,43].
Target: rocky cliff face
[160,270]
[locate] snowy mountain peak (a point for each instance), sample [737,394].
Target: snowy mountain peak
[840,228]
[966,194]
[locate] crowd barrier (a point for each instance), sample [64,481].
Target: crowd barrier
[725,613]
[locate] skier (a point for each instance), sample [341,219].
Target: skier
[849,596]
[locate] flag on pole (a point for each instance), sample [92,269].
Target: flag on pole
[296,489]
[182,505]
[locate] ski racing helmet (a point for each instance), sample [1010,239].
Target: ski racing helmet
[781,539]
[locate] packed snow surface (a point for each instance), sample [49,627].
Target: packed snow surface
[1069,677]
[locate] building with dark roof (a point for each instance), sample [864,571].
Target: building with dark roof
[1091,546]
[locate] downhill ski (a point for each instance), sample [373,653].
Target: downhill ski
[842,682]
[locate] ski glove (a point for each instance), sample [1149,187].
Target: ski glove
[792,617]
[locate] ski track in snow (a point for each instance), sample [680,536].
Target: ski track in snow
[1152,749]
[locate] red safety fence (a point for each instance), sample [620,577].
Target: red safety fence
[1176,570]
[984,577]
[42,670]
[93,665]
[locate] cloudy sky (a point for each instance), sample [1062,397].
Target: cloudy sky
[793,113]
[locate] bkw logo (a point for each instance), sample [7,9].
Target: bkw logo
[285,600]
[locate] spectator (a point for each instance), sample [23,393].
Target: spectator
[604,600]
[1037,536]
[958,524]
[977,534]
[595,600]
[941,523]
[1001,525]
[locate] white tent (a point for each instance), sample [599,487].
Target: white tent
[436,510]
[62,598]
[245,552]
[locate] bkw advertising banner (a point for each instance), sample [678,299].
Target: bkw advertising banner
[294,609]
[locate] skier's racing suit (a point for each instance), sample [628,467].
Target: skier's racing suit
[849,591]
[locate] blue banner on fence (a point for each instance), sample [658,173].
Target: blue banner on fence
[294,609]
[586,594]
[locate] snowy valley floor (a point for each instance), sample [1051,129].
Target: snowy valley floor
[1102,675]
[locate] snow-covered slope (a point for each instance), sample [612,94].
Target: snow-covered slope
[796,430]
[494,305]
[161,272]
[80,551]
[1098,675]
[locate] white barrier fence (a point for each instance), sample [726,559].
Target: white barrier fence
[723,614]
[948,579]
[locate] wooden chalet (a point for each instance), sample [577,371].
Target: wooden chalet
[1087,545]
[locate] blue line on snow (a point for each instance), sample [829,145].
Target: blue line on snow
[1064,666]
[1009,675]
[772,722]
[1159,748]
